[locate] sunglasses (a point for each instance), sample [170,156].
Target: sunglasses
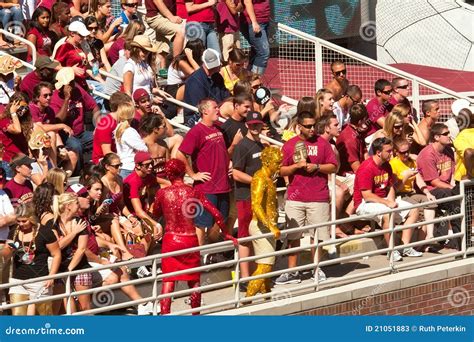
[445,134]
[403,86]
[47,95]
[147,165]
[93,28]
[386,92]
[354,101]
[132,5]
[404,152]
[340,73]
[307,126]
[397,126]
[116,166]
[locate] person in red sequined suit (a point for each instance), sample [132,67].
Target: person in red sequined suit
[179,203]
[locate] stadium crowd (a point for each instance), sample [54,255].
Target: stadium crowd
[55,125]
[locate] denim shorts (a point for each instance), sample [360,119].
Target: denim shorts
[221,202]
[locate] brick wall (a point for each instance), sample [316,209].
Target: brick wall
[453,296]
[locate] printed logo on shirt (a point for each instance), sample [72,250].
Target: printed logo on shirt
[381,180]
[444,166]
[312,151]
[47,41]
[256,155]
[213,135]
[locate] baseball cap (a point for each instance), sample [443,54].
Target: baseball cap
[64,76]
[78,27]
[21,160]
[254,117]
[77,189]
[141,156]
[139,93]
[45,62]
[211,59]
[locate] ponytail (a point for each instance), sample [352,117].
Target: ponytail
[125,112]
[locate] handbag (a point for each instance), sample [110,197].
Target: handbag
[136,249]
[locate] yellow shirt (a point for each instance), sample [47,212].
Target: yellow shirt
[398,167]
[463,141]
[228,81]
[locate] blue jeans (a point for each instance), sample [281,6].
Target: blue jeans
[82,145]
[259,47]
[204,31]
[221,201]
[99,99]
[13,15]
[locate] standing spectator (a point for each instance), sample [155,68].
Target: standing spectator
[374,193]
[307,161]
[324,102]
[342,106]
[228,25]
[204,144]
[379,107]
[61,15]
[201,23]
[338,85]
[19,188]
[254,25]
[40,34]
[7,218]
[436,165]
[234,71]
[206,82]
[245,162]
[44,72]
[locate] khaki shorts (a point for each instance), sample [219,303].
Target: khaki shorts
[299,214]
[375,209]
[419,198]
[228,40]
[165,31]
[262,246]
[347,180]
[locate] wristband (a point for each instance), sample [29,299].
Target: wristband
[130,215]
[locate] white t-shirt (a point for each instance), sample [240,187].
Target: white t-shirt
[342,116]
[142,74]
[6,208]
[175,76]
[130,144]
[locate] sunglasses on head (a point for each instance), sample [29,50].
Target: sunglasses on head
[340,72]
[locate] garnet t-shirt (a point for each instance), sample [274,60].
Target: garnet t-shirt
[377,111]
[103,134]
[432,165]
[29,82]
[13,143]
[44,42]
[261,9]
[135,186]
[208,152]
[48,117]
[19,193]
[69,55]
[304,186]
[370,176]
[351,147]
[205,15]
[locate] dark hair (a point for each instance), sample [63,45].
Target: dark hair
[149,122]
[237,55]
[306,104]
[107,160]
[92,180]
[304,115]
[88,171]
[90,20]
[39,11]
[241,98]
[38,87]
[353,90]
[358,112]
[426,105]
[57,9]
[197,47]
[43,198]
[437,129]
[243,87]
[324,122]
[380,84]
[117,98]
[378,144]
[24,117]
[336,62]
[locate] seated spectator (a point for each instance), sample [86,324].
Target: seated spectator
[204,83]
[342,107]
[234,71]
[40,148]
[79,8]
[228,25]
[97,48]
[61,15]
[374,192]
[117,48]
[305,104]
[393,127]
[112,85]
[129,12]
[127,139]
[44,72]
[19,188]
[436,165]
[58,178]
[339,84]
[39,33]
[102,11]
[379,107]
[401,92]
[430,110]
[406,174]
[465,148]
[324,102]
[34,243]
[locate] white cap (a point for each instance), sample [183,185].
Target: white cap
[78,27]
[211,59]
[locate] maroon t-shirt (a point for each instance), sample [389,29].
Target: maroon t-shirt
[377,111]
[114,51]
[29,82]
[208,152]
[135,187]
[44,42]
[370,176]
[205,15]
[351,147]
[432,165]
[227,23]
[262,11]
[13,143]
[80,101]
[48,117]
[19,193]
[103,134]
[304,186]
[152,10]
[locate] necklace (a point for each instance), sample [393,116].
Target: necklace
[29,251]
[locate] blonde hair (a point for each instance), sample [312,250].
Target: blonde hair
[125,112]
[57,177]
[60,202]
[392,119]
[318,98]
[27,210]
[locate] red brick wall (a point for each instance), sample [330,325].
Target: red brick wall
[453,296]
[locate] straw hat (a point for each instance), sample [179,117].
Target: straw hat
[8,64]
[144,42]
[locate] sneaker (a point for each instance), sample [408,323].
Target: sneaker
[321,275]
[243,287]
[396,256]
[147,309]
[288,278]
[187,301]
[410,252]
[143,272]
[210,259]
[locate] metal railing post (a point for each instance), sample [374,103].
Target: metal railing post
[69,298]
[155,287]
[237,276]
[318,61]
[391,243]
[462,190]
[332,250]
[415,93]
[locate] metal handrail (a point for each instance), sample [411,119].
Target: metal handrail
[27,42]
[361,58]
